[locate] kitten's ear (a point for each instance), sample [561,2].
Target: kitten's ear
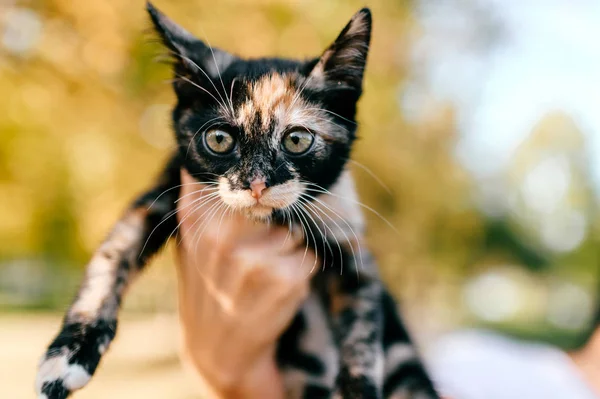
[343,63]
[191,54]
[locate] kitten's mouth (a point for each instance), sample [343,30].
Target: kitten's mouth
[258,211]
[263,205]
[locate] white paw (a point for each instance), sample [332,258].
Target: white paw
[56,378]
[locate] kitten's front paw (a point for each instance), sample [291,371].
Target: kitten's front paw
[72,358]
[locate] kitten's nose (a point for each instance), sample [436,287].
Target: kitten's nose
[257,186]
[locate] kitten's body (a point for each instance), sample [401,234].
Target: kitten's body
[271,137]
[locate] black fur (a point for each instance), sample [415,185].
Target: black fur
[217,90]
[289,353]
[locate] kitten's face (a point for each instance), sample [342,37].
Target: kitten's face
[269,132]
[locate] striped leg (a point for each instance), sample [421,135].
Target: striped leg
[405,377]
[377,357]
[358,328]
[306,354]
[90,323]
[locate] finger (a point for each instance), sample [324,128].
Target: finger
[277,308]
[266,288]
[261,266]
[250,265]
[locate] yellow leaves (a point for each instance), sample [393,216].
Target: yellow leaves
[17,210]
[105,53]
[90,157]
[89,113]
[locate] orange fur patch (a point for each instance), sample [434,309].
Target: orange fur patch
[276,99]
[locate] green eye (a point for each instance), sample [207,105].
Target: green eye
[219,141]
[297,142]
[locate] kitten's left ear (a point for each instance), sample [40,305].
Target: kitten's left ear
[343,63]
[191,53]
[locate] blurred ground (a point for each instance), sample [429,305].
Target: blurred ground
[143,362]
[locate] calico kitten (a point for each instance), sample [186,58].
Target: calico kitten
[274,135]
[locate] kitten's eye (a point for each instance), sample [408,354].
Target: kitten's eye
[219,141]
[297,142]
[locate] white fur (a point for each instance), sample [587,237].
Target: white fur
[294,382]
[275,197]
[397,355]
[55,368]
[101,277]
[76,377]
[319,341]
[101,271]
[343,208]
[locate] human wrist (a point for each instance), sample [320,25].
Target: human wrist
[257,379]
[261,380]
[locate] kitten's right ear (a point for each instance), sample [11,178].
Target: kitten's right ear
[343,63]
[192,55]
[172,35]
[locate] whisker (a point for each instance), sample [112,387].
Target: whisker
[297,95]
[190,212]
[207,76]
[341,218]
[323,236]
[323,119]
[293,208]
[205,223]
[333,113]
[228,208]
[277,168]
[208,187]
[200,218]
[311,205]
[220,77]
[207,199]
[164,219]
[300,214]
[327,192]
[172,188]
[209,219]
[205,173]
[341,230]
[201,88]
[289,230]
[231,95]
[372,174]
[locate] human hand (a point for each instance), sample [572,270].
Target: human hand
[240,284]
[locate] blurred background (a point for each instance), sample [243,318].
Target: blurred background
[480,143]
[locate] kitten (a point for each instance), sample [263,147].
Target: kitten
[274,136]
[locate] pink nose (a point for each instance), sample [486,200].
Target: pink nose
[257,187]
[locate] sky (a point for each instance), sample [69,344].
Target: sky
[504,63]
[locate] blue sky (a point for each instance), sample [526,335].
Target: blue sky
[546,57]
